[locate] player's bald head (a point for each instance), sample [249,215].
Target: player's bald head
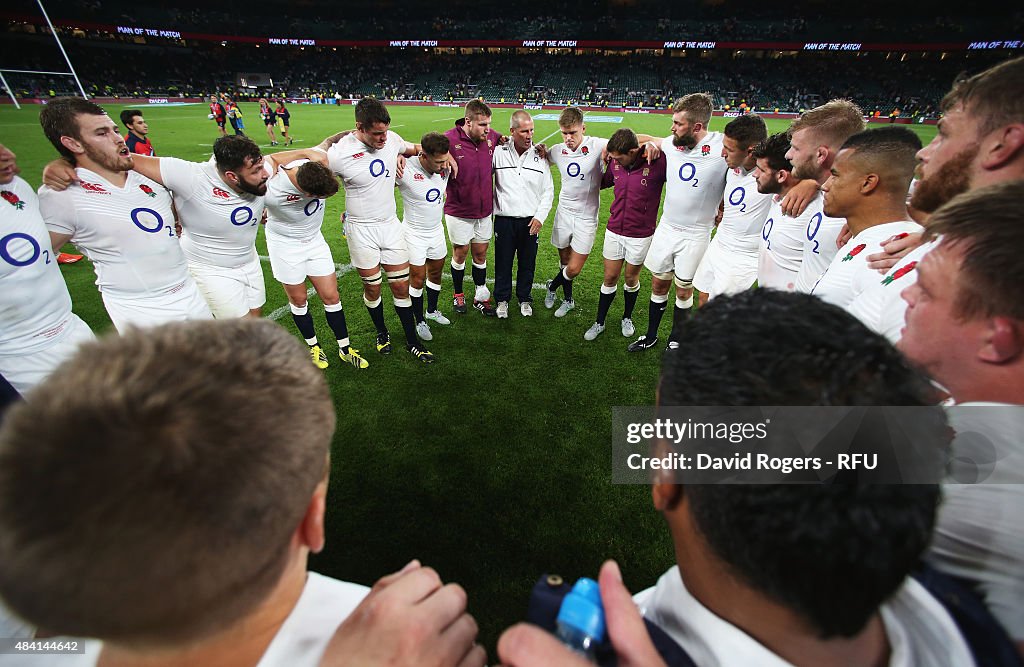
[518,118]
[889,152]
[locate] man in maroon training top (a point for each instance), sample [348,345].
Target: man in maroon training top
[470,202]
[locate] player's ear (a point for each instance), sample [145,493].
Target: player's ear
[869,183]
[72,144]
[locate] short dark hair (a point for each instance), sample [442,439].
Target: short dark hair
[623,141]
[570,117]
[747,130]
[892,150]
[59,119]
[370,111]
[774,149]
[831,553]
[316,179]
[993,96]
[162,520]
[231,152]
[435,143]
[983,224]
[128,115]
[476,108]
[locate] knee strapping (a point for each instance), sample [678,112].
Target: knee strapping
[375,279]
[663,276]
[683,283]
[398,276]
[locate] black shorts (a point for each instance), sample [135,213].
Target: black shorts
[220,123]
[267,121]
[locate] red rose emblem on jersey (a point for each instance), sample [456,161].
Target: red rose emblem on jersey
[705,150]
[586,151]
[12,199]
[900,272]
[217,192]
[148,190]
[856,251]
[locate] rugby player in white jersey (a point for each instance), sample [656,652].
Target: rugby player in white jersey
[696,182]
[38,331]
[367,163]
[578,160]
[815,138]
[867,188]
[122,220]
[781,244]
[422,185]
[730,263]
[295,199]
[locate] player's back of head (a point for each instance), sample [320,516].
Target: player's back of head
[831,123]
[890,152]
[435,143]
[746,130]
[371,111]
[59,119]
[317,180]
[623,141]
[150,488]
[831,553]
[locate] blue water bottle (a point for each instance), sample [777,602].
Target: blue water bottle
[580,620]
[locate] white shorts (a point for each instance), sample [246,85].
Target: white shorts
[571,229]
[425,244]
[25,371]
[463,231]
[373,244]
[181,303]
[633,250]
[673,251]
[230,292]
[291,260]
[725,271]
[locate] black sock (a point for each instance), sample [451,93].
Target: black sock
[679,315]
[336,321]
[630,304]
[479,276]
[556,281]
[305,324]
[377,315]
[432,296]
[603,304]
[567,289]
[654,314]
[457,277]
[409,325]
[417,307]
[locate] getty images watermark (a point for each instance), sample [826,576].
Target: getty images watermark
[808,445]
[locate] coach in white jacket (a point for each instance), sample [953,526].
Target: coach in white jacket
[523,192]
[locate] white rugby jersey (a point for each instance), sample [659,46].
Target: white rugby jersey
[580,171]
[219,225]
[290,213]
[35,307]
[820,235]
[744,213]
[422,196]
[780,250]
[694,186]
[127,233]
[849,275]
[368,176]
[880,306]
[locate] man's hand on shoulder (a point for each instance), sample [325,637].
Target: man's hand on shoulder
[797,199]
[59,175]
[894,249]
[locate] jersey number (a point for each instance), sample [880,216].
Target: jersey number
[238,212]
[816,221]
[738,200]
[377,168]
[5,250]
[689,177]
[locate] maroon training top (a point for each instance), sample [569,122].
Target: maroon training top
[634,211]
[471,193]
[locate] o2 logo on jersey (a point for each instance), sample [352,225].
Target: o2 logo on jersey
[738,200]
[315,204]
[15,254]
[150,221]
[377,168]
[816,222]
[236,216]
[433,194]
[688,175]
[766,232]
[574,170]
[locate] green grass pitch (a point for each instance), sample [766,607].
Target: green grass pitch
[493,465]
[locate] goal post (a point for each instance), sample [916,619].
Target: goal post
[71,68]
